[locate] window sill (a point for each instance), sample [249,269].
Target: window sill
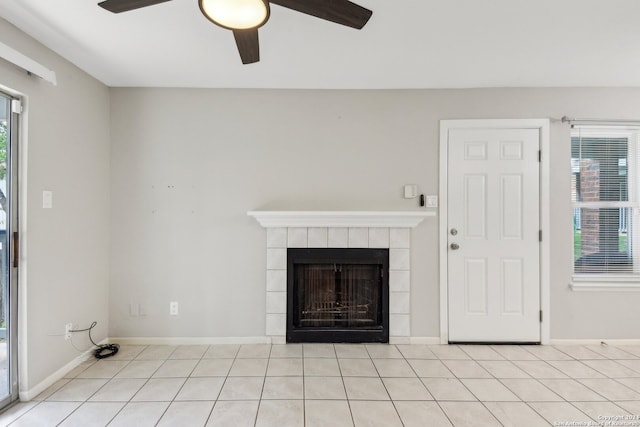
[605,284]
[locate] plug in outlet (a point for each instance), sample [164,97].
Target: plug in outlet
[173,308]
[67,331]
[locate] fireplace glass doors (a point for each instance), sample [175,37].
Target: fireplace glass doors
[337,295]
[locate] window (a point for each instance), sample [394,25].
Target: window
[604,193]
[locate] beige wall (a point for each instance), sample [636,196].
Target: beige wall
[67,152]
[187,164]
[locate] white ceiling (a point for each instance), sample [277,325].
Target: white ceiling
[406,44]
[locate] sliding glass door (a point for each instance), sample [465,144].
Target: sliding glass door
[9,115]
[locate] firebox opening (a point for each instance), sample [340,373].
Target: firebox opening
[338,295]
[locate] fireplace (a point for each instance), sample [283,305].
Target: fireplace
[337,295]
[390,230]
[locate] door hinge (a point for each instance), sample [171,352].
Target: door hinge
[540,316]
[16,106]
[539,155]
[540,235]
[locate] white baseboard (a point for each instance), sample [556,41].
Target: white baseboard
[595,341]
[27,395]
[424,340]
[189,340]
[414,340]
[242,340]
[399,340]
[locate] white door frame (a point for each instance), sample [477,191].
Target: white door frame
[543,126]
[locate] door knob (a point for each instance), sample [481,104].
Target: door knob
[454,246]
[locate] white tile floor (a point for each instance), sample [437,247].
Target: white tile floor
[326,385]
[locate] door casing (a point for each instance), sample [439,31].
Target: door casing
[543,126]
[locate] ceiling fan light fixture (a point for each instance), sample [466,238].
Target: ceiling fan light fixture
[236,14]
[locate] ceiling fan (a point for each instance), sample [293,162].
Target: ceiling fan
[244,17]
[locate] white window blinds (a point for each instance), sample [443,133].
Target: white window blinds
[604,164]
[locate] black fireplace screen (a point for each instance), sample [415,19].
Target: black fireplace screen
[337,295]
[343,295]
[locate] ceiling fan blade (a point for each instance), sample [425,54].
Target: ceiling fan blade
[339,11]
[248,47]
[117,6]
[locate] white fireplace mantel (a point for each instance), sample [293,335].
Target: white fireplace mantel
[391,219]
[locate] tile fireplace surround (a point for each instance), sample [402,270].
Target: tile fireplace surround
[342,229]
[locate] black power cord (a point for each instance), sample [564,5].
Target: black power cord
[102,351]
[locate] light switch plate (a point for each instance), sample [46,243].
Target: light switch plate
[47,199]
[432,201]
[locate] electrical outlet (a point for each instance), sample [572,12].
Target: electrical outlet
[173,308]
[67,331]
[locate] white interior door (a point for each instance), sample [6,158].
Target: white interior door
[493,218]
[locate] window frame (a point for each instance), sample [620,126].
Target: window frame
[614,281]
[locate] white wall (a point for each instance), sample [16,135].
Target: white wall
[67,150]
[187,164]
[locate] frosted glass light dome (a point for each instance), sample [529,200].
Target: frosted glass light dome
[236,14]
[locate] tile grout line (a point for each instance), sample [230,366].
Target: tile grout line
[546,361]
[224,382]
[145,383]
[104,385]
[264,379]
[499,380]
[125,403]
[304,396]
[43,400]
[393,403]
[94,393]
[344,387]
[185,382]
